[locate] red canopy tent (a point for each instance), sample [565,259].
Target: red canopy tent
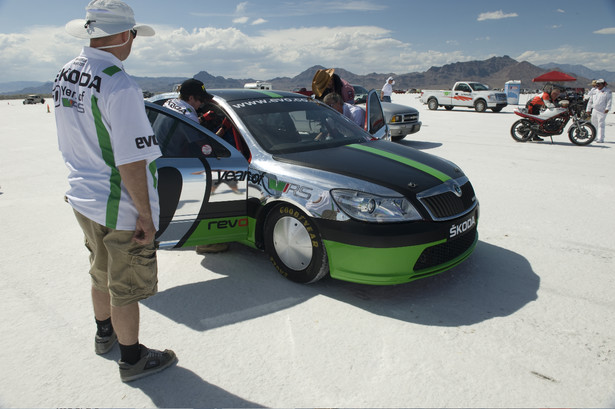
[554,76]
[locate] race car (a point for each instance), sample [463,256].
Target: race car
[321,196]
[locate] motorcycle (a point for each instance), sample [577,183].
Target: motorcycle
[553,121]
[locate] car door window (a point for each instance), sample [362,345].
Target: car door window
[182,139]
[375,114]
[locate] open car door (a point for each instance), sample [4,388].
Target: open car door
[202,183]
[375,120]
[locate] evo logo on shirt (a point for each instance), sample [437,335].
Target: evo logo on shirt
[143,142]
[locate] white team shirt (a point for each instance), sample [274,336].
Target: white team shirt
[387,89]
[600,100]
[101,124]
[182,107]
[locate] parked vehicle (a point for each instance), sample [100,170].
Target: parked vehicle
[311,189]
[33,99]
[402,120]
[304,91]
[257,85]
[553,121]
[465,94]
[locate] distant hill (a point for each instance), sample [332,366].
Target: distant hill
[494,72]
[582,70]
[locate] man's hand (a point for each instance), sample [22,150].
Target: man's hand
[144,231]
[134,177]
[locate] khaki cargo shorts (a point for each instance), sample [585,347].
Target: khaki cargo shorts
[128,271]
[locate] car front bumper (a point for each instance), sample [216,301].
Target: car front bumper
[404,129]
[386,254]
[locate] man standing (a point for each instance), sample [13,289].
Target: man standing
[109,148]
[387,90]
[598,106]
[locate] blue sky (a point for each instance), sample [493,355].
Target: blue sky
[263,39]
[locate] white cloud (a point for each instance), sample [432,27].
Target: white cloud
[609,30]
[241,7]
[241,20]
[560,11]
[259,21]
[567,54]
[39,53]
[495,15]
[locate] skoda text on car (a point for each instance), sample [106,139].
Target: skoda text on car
[317,193]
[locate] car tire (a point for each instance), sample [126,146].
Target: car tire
[480,106]
[294,245]
[432,104]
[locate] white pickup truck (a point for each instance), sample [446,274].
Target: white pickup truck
[465,94]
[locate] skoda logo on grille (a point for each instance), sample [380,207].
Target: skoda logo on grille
[457,190]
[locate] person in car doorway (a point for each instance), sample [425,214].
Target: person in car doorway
[598,106]
[540,102]
[355,113]
[327,81]
[192,94]
[108,145]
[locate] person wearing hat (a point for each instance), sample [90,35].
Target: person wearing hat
[599,105]
[387,90]
[327,81]
[109,148]
[192,95]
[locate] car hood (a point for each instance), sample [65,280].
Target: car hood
[397,108]
[401,168]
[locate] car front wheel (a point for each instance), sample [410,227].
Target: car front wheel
[294,245]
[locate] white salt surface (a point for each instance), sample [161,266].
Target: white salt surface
[527,321]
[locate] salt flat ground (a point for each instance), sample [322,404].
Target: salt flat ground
[527,321]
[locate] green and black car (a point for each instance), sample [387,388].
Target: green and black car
[320,195]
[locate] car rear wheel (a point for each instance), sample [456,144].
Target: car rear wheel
[432,104]
[294,245]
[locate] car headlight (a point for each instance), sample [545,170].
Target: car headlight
[396,118]
[373,208]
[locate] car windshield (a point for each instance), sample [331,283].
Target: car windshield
[284,125]
[477,86]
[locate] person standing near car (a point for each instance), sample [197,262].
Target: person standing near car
[352,112]
[598,106]
[327,81]
[109,148]
[387,90]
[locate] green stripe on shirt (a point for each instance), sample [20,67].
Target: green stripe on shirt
[115,180]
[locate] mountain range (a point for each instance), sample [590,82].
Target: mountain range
[495,72]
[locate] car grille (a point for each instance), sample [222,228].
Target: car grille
[410,118]
[442,253]
[444,205]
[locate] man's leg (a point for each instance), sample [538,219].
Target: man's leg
[126,323]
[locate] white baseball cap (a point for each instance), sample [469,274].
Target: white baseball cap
[107,17]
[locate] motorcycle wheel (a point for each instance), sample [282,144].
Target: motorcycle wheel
[582,135]
[520,131]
